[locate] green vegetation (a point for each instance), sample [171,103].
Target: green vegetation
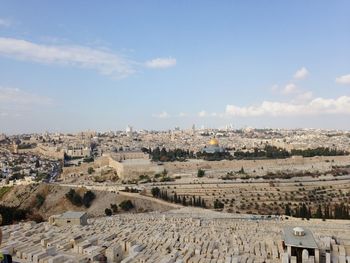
[114,208]
[4,190]
[77,200]
[91,170]
[163,177]
[74,198]
[126,205]
[184,200]
[145,178]
[273,152]
[269,152]
[338,211]
[218,204]
[200,173]
[16,176]
[130,190]
[88,159]
[12,214]
[88,198]
[41,176]
[241,171]
[155,191]
[163,155]
[108,212]
[39,201]
[320,151]
[217,156]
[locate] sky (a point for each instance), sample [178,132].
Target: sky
[68,66]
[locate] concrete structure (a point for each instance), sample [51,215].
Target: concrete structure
[188,235]
[78,151]
[69,218]
[129,165]
[300,245]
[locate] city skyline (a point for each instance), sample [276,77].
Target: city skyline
[160,65]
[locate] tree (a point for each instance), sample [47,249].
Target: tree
[287,211]
[184,201]
[114,208]
[155,191]
[218,204]
[203,205]
[200,173]
[108,212]
[90,170]
[77,200]
[74,197]
[319,212]
[126,205]
[40,199]
[88,198]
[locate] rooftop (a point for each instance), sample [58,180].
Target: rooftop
[71,214]
[305,241]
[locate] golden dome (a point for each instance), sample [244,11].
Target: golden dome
[214,142]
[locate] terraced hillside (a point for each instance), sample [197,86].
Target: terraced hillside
[265,197]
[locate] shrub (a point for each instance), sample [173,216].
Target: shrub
[88,198]
[114,208]
[74,198]
[126,205]
[108,212]
[155,191]
[200,173]
[218,204]
[40,199]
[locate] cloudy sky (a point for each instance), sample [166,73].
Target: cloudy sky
[79,65]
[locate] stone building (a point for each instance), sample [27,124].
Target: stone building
[301,246]
[129,165]
[69,218]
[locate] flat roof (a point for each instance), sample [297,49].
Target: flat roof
[306,241]
[71,214]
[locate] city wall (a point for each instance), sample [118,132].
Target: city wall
[235,165]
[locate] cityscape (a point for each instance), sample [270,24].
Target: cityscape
[174,132]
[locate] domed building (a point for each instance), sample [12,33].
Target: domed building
[213,147]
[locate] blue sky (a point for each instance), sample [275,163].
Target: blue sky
[79,65]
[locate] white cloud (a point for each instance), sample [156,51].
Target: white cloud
[13,96]
[161,63]
[104,62]
[316,106]
[301,73]
[15,102]
[162,115]
[289,89]
[343,79]
[202,114]
[5,22]
[306,96]
[274,88]
[183,114]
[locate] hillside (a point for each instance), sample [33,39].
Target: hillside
[25,197]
